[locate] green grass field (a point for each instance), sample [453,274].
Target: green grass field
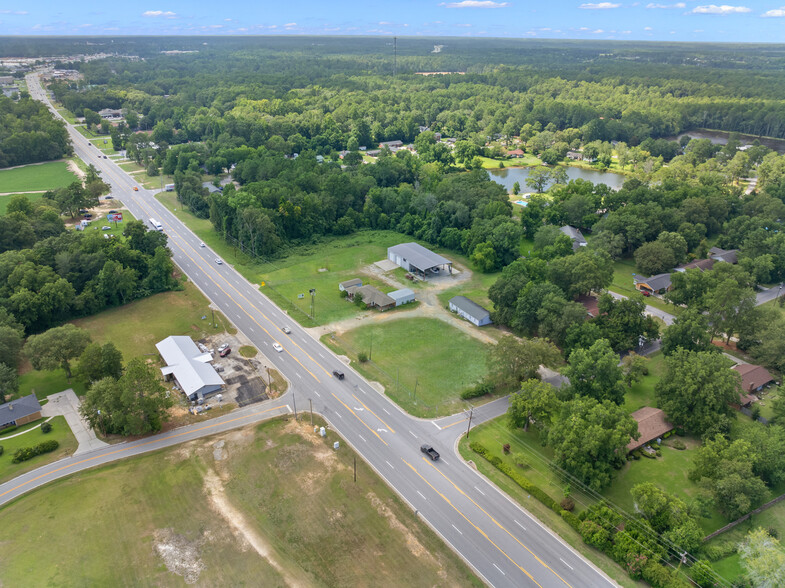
[476,289]
[207,513]
[527,160]
[4,200]
[438,359]
[43,176]
[60,432]
[44,383]
[642,393]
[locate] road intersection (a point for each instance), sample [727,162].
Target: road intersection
[503,543]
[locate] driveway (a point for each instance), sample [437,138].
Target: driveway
[67,404]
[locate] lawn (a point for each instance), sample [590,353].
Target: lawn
[476,289]
[527,160]
[60,432]
[39,176]
[423,363]
[136,327]
[4,200]
[623,270]
[267,505]
[44,383]
[642,393]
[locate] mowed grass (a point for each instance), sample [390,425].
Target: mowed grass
[423,363]
[284,486]
[39,176]
[44,383]
[642,393]
[475,288]
[135,328]
[60,432]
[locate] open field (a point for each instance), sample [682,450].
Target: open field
[423,363]
[268,505]
[476,289]
[37,176]
[164,314]
[4,200]
[44,383]
[60,432]
[527,160]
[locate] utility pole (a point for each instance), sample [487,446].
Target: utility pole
[370,353]
[294,401]
[313,294]
[415,390]
[471,411]
[355,469]
[215,326]
[311,403]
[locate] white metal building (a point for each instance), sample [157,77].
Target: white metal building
[189,367]
[471,311]
[402,296]
[413,257]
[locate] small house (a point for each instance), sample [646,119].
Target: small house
[575,155]
[517,153]
[578,240]
[652,425]
[658,284]
[356,282]
[373,297]
[402,296]
[471,311]
[591,304]
[753,377]
[20,411]
[703,265]
[726,255]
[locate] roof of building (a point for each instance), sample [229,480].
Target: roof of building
[752,376]
[590,303]
[19,408]
[211,188]
[651,425]
[658,282]
[350,283]
[727,255]
[189,365]
[702,264]
[516,152]
[419,256]
[575,234]
[371,296]
[471,308]
[401,294]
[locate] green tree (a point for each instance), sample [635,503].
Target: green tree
[9,382]
[484,257]
[10,345]
[97,362]
[634,367]
[668,516]
[512,361]
[589,438]
[730,305]
[516,188]
[624,321]
[763,558]
[654,257]
[160,275]
[56,347]
[534,403]
[538,178]
[595,372]
[690,331]
[697,388]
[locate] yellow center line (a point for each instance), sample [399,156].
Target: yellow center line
[374,414]
[496,522]
[129,448]
[453,424]
[359,419]
[483,533]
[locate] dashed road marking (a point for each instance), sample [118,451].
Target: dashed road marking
[498,568]
[520,525]
[480,491]
[421,494]
[457,529]
[566,564]
[389,464]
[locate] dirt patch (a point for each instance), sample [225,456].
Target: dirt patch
[412,543]
[244,532]
[321,452]
[180,556]
[73,168]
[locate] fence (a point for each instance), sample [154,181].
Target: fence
[744,518]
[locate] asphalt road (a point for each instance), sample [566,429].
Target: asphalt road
[503,543]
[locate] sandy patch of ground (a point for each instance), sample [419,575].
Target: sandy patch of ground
[180,555]
[243,531]
[73,168]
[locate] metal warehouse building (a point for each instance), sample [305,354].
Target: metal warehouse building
[415,258]
[189,367]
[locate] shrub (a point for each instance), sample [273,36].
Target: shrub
[25,453]
[1,450]
[567,503]
[46,427]
[679,444]
[8,430]
[772,531]
[519,459]
[362,357]
[506,448]
[720,550]
[649,455]
[755,412]
[657,575]
[480,389]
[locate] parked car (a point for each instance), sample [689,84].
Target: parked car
[108,197]
[225,352]
[222,347]
[106,228]
[287,330]
[105,157]
[218,261]
[338,374]
[112,212]
[277,347]
[136,189]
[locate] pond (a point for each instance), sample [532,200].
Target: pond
[508,176]
[721,138]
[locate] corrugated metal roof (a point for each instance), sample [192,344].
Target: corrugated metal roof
[469,307]
[419,256]
[189,365]
[400,294]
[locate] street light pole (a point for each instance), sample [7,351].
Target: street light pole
[313,295]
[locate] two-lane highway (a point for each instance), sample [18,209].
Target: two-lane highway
[503,543]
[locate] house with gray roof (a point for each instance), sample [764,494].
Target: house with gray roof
[189,367]
[373,297]
[658,284]
[20,411]
[349,283]
[471,311]
[726,255]
[415,258]
[578,240]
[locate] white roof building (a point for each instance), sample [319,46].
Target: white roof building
[189,367]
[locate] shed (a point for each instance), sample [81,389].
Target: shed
[343,286]
[651,425]
[471,311]
[20,411]
[189,367]
[578,240]
[402,296]
[413,257]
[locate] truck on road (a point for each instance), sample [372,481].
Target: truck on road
[430,452]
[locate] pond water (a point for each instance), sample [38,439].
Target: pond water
[721,138]
[508,176]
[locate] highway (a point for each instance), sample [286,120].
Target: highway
[498,539]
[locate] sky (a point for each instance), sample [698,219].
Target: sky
[664,20]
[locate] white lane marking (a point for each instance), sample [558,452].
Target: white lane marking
[444,462]
[421,494]
[565,563]
[385,410]
[480,491]
[389,464]
[322,356]
[498,568]
[315,392]
[298,375]
[338,414]
[361,437]
[413,435]
[435,425]
[457,529]
[520,525]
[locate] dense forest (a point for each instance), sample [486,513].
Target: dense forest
[29,133]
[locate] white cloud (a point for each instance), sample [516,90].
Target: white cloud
[475,4]
[384,23]
[17,12]
[598,32]
[647,28]
[290,24]
[463,25]
[84,26]
[724,9]
[775,13]
[164,13]
[677,5]
[600,6]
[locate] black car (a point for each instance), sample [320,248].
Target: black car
[338,374]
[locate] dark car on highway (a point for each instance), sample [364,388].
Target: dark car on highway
[338,374]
